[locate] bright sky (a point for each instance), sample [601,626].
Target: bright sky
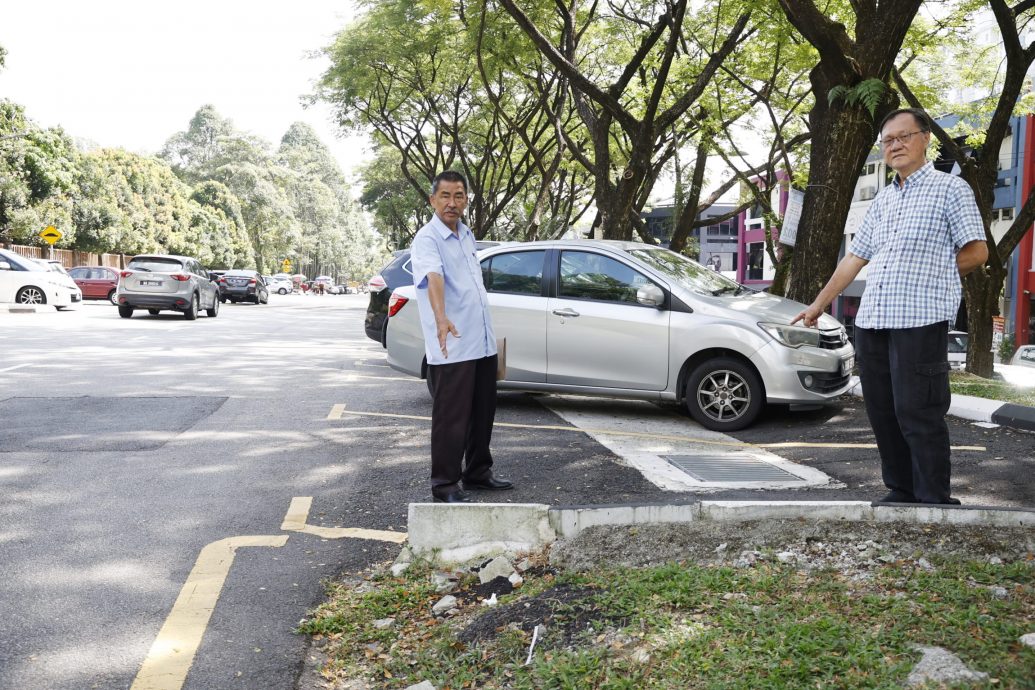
[130,74]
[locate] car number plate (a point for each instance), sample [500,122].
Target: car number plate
[847,365]
[150,282]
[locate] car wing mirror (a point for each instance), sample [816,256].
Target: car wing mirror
[650,295]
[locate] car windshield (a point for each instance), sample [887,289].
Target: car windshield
[19,262]
[156,264]
[698,278]
[958,342]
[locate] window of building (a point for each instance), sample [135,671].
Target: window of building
[756,260]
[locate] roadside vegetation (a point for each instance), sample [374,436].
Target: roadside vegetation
[963,383]
[763,624]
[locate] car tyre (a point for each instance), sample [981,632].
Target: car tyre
[283,291]
[125,312]
[192,311]
[724,394]
[30,294]
[113,297]
[214,311]
[153,312]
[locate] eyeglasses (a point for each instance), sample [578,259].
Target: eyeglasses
[888,142]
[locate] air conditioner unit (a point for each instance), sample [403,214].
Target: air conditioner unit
[867,193]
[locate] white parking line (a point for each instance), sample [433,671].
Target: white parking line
[645,434]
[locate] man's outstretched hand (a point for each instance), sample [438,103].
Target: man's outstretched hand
[445,327]
[809,318]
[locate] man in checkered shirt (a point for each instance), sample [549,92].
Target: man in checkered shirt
[919,236]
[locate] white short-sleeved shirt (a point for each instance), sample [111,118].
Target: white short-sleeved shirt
[910,236]
[437,249]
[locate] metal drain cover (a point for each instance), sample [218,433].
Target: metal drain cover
[729,468]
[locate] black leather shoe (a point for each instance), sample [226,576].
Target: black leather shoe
[457,496]
[490,484]
[896,497]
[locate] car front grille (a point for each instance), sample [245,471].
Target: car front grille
[832,340]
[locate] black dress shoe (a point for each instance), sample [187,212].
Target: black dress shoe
[895,496]
[457,496]
[490,484]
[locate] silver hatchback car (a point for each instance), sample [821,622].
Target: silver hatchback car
[159,282]
[630,320]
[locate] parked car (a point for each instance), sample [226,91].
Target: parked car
[395,274]
[25,281]
[1024,356]
[243,285]
[280,285]
[957,354]
[62,277]
[96,282]
[622,319]
[159,282]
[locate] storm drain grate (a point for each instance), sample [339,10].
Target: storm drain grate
[726,468]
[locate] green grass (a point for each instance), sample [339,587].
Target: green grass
[688,626]
[963,383]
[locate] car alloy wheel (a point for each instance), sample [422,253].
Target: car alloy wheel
[724,394]
[31,295]
[113,297]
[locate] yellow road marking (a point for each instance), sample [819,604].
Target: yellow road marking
[298,513]
[172,653]
[339,411]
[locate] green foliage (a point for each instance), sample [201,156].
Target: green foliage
[867,93]
[1007,347]
[687,625]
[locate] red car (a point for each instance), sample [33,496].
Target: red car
[96,282]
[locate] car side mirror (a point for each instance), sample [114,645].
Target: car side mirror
[4,266]
[650,295]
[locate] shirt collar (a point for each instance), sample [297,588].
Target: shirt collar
[916,177]
[443,229]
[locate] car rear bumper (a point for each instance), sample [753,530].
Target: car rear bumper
[146,301]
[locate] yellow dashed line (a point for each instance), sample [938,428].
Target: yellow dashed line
[339,411]
[172,653]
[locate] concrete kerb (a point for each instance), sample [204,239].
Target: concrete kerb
[19,308]
[980,409]
[459,533]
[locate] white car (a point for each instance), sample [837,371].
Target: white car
[280,285]
[26,281]
[1024,356]
[630,320]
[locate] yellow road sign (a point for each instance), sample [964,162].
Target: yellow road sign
[51,234]
[286,266]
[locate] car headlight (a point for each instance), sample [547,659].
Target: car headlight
[792,336]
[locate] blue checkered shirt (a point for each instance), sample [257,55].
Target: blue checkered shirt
[911,235]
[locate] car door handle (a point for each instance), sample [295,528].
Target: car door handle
[565,312]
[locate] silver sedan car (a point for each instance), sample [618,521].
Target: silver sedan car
[630,320]
[159,282]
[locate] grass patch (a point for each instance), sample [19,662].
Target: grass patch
[963,383]
[771,625]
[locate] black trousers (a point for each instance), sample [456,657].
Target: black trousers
[462,412]
[905,380]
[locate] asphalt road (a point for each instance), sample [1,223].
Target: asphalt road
[128,446]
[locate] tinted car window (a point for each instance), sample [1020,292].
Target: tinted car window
[80,274]
[155,264]
[517,272]
[586,275]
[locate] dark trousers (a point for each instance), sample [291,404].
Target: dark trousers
[462,413]
[905,381]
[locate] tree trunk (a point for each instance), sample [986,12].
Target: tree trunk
[842,136]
